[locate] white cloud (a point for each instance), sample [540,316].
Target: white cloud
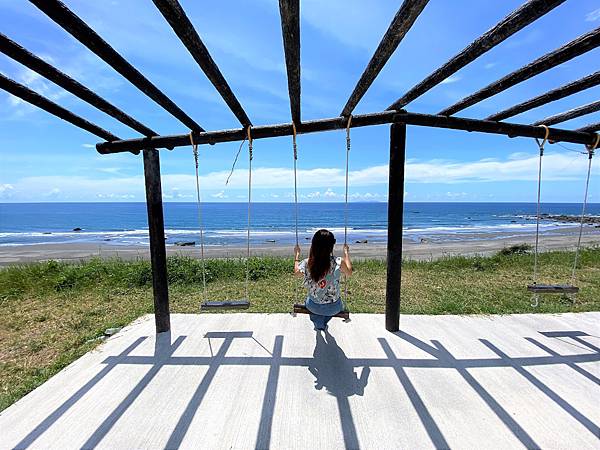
[88,145]
[220,195]
[490,65]
[451,79]
[321,183]
[6,190]
[593,15]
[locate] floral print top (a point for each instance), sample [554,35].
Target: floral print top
[326,290]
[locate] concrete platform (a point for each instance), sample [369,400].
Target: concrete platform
[222,381]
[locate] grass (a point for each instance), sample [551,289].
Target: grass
[53,311]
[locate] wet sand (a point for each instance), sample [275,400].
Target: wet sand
[485,244]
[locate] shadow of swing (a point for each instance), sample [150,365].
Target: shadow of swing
[334,373]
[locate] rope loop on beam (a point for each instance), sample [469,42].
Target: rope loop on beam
[543,143]
[594,146]
[348,132]
[294,141]
[249,134]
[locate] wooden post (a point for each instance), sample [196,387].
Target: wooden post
[395,211]
[156,228]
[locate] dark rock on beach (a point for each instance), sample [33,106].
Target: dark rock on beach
[590,220]
[185,244]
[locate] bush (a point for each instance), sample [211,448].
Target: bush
[517,249]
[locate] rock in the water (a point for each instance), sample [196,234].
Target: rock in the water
[185,243]
[46,232]
[77,229]
[270,240]
[362,241]
[111,331]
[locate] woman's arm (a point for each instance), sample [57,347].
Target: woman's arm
[346,265]
[297,260]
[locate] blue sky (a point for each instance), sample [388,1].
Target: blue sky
[46,159]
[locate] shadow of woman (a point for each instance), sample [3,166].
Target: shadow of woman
[334,372]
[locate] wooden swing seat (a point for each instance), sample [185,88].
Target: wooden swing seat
[301,309]
[226,304]
[552,288]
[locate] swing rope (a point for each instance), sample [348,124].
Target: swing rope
[295,178]
[249,205]
[590,151]
[346,200]
[200,223]
[537,222]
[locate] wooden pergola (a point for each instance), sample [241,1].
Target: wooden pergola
[395,114]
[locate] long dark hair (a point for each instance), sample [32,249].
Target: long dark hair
[319,258]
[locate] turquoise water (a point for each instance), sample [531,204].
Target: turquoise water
[225,223]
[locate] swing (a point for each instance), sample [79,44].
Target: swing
[300,308]
[243,303]
[569,289]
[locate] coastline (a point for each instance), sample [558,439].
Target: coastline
[484,244]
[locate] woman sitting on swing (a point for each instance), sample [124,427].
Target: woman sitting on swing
[322,277]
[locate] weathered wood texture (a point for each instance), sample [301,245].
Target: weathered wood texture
[518,19]
[226,304]
[550,96]
[552,288]
[571,114]
[31,61]
[301,309]
[183,28]
[339,123]
[64,17]
[582,44]
[402,22]
[289,11]
[24,93]
[156,230]
[591,128]
[395,212]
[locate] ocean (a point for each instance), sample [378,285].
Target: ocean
[271,223]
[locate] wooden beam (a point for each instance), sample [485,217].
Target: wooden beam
[183,28]
[156,231]
[63,16]
[591,128]
[31,61]
[518,19]
[24,93]
[339,123]
[289,11]
[576,47]
[402,22]
[550,96]
[395,223]
[570,114]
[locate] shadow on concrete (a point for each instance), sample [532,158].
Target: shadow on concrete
[334,372]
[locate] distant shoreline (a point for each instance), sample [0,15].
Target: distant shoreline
[485,244]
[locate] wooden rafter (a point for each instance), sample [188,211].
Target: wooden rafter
[31,61]
[518,19]
[183,28]
[63,16]
[289,11]
[570,114]
[576,47]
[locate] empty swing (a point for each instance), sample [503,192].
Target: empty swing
[243,303]
[568,289]
[300,308]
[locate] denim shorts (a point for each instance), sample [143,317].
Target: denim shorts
[324,309]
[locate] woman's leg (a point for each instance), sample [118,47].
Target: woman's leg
[318,321]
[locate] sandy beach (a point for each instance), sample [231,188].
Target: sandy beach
[484,244]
